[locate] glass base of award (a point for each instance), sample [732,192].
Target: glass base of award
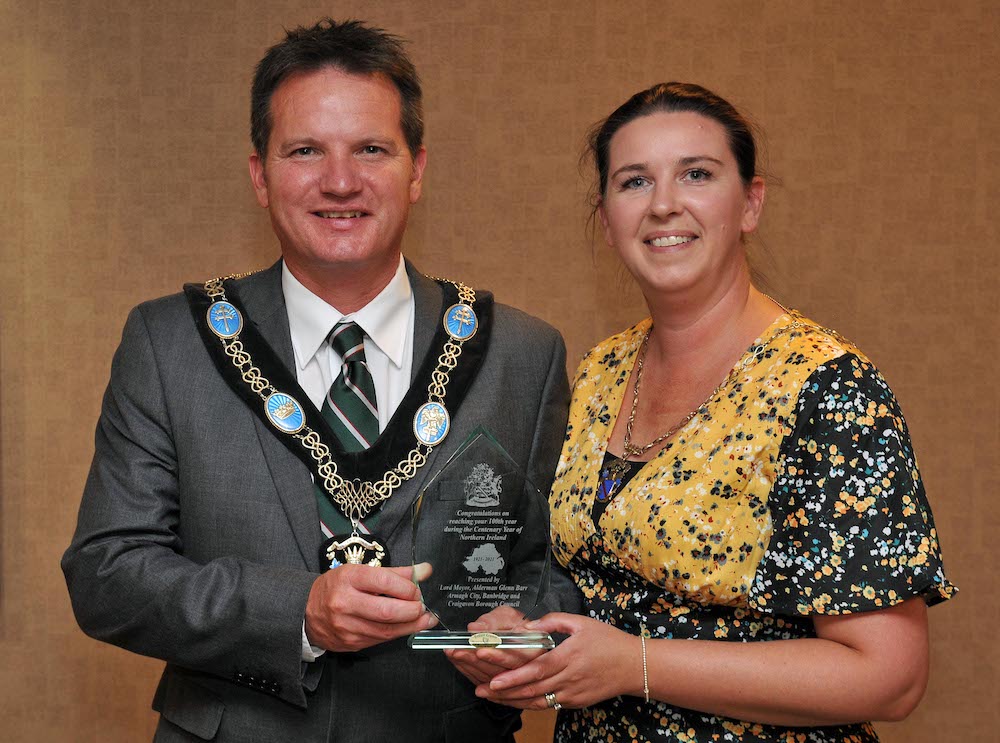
[484,528]
[445,640]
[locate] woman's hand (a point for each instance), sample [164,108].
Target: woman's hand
[596,662]
[864,666]
[479,666]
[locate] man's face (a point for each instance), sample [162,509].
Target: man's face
[338,178]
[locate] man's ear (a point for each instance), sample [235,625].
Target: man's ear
[417,176]
[258,179]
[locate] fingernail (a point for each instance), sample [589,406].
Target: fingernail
[421,571]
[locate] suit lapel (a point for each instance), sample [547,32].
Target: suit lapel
[428,301]
[265,306]
[264,303]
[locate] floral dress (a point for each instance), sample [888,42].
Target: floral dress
[792,492]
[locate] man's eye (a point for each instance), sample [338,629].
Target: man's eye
[304,151]
[372,149]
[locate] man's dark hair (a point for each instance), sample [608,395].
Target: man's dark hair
[350,46]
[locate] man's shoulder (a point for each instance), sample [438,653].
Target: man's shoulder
[166,309]
[523,334]
[172,307]
[510,324]
[513,318]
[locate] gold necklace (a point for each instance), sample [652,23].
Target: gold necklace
[637,451]
[630,450]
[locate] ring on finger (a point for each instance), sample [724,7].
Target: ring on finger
[551,701]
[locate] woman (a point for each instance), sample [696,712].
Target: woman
[737,496]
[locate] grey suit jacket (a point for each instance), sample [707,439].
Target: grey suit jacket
[198,537]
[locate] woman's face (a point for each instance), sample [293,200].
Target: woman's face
[675,207]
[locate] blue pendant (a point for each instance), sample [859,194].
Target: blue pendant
[461,322]
[431,423]
[608,486]
[284,412]
[224,319]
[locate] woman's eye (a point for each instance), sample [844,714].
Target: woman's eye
[634,182]
[697,174]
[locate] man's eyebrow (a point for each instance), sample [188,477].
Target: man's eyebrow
[297,141]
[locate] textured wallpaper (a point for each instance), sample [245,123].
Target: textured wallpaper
[123,136]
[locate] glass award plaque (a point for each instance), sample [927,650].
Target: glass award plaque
[484,528]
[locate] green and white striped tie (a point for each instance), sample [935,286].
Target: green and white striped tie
[350,409]
[350,406]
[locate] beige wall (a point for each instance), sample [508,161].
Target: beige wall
[123,144]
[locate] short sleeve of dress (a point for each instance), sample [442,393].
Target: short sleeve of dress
[852,530]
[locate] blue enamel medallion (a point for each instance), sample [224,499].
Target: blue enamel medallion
[431,423]
[284,412]
[224,319]
[461,322]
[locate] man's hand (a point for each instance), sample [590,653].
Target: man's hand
[479,666]
[353,607]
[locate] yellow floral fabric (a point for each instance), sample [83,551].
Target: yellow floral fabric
[794,491]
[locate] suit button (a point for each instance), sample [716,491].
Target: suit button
[241,677]
[275,687]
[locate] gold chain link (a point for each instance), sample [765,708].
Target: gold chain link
[355,498]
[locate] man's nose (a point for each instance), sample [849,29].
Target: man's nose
[340,175]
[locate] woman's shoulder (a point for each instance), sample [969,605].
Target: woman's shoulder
[810,341]
[821,363]
[616,349]
[799,347]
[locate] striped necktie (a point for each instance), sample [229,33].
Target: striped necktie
[351,411]
[350,407]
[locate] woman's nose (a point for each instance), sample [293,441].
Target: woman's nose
[664,199]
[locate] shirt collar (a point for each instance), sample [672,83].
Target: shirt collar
[385,319]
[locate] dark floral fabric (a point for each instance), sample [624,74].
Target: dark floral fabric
[793,492]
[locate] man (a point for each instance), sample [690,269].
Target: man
[245,446]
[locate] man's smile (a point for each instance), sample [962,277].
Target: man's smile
[340,215]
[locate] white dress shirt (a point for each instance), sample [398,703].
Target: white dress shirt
[388,324]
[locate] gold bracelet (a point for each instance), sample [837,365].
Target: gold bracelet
[645,673]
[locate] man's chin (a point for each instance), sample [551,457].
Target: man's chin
[343,278]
